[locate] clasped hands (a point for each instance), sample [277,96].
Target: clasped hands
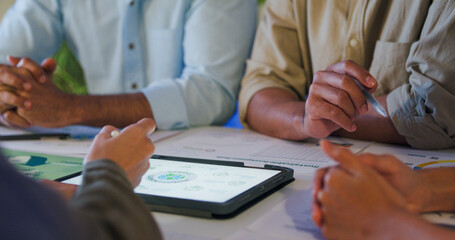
[353,199]
[28,96]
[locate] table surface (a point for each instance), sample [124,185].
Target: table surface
[284,214]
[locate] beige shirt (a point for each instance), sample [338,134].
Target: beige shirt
[407,45]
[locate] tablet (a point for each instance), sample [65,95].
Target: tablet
[44,166]
[205,188]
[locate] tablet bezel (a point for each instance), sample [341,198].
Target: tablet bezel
[223,210]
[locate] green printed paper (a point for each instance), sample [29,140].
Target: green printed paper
[43,166]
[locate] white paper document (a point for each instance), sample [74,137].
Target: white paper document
[290,219]
[181,236]
[416,159]
[161,135]
[252,148]
[252,235]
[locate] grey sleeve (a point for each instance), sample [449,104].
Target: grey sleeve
[106,207]
[423,110]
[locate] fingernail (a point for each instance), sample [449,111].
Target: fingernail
[115,133]
[371,82]
[27,86]
[28,104]
[353,127]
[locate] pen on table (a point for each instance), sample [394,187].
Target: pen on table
[376,105]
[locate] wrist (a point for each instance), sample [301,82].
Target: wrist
[73,109]
[439,188]
[61,111]
[440,185]
[83,109]
[426,196]
[298,123]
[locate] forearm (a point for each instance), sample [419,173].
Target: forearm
[373,127]
[440,185]
[116,110]
[405,225]
[278,113]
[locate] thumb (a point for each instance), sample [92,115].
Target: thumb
[346,159]
[49,65]
[148,124]
[13,60]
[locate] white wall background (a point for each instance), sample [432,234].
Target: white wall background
[4,5]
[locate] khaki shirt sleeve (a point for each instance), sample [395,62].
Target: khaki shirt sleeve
[276,60]
[423,110]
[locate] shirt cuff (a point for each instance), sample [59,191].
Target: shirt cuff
[167,103]
[414,121]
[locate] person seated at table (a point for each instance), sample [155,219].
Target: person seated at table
[103,207]
[370,196]
[299,82]
[178,62]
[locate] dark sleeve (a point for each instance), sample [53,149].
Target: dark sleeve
[106,207]
[29,210]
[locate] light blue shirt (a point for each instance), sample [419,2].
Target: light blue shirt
[186,56]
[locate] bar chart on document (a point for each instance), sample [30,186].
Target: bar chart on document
[252,148]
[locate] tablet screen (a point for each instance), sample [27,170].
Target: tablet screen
[198,181]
